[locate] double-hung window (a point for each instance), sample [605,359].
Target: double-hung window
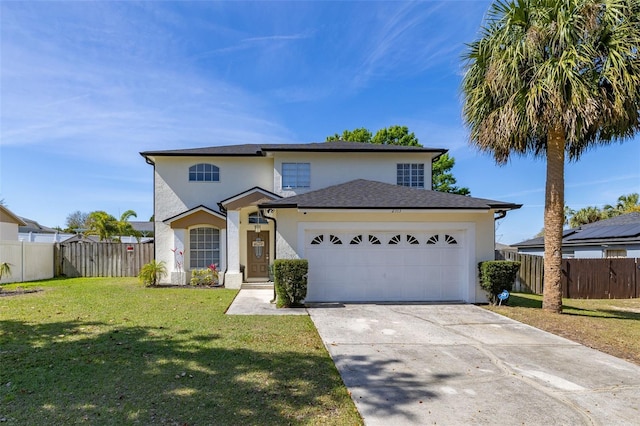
[411,174]
[296,175]
[204,247]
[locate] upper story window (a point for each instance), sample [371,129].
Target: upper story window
[204,172]
[296,175]
[411,174]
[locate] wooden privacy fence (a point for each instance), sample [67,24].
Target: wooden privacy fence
[614,278]
[101,259]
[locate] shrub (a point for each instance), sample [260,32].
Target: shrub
[207,276]
[151,273]
[5,269]
[496,276]
[290,281]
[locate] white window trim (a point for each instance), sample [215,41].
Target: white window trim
[187,251]
[297,185]
[214,168]
[411,167]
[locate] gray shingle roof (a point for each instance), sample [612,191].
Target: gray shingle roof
[259,150]
[366,194]
[623,228]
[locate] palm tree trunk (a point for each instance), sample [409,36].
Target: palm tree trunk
[554,221]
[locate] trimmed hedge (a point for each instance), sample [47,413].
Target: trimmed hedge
[496,276]
[290,281]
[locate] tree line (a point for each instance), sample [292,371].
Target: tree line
[101,224]
[442,178]
[626,204]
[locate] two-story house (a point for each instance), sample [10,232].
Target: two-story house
[363,215]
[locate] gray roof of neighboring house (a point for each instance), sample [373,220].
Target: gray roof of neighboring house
[33,226]
[366,194]
[260,150]
[142,226]
[619,229]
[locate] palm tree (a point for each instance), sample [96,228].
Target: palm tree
[102,224]
[125,227]
[626,204]
[551,78]
[586,215]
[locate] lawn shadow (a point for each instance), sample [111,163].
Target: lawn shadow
[525,302]
[381,385]
[76,372]
[609,313]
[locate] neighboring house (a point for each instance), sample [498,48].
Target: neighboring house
[615,237]
[34,227]
[363,215]
[9,224]
[144,228]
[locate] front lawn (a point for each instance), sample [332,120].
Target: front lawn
[110,351]
[609,325]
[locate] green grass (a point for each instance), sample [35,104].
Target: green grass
[110,351]
[609,325]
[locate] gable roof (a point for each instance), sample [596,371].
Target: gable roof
[262,150]
[367,194]
[619,229]
[198,209]
[252,196]
[33,226]
[8,216]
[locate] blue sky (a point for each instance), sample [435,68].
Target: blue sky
[86,86]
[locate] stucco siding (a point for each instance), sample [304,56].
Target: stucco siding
[329,169]
[175,193]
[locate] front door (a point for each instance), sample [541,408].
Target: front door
[258,254]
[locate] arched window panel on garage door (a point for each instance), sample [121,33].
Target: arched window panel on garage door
[356,240]
[433,239]
[317,240]
[335,240]
[374,240]
[395,240]
[450,239]
[412,240]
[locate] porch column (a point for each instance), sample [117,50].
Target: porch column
[178,275]
[233,277]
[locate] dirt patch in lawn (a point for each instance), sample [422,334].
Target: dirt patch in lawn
[18,291]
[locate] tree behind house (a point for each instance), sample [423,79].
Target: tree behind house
[442,179]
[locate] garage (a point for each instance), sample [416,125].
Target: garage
[370,265]
[369,241]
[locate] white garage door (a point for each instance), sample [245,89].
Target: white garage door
[363,266]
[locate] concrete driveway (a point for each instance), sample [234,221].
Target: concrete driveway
[463,365]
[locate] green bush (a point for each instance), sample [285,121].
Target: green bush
[204,277]
[496,276]
[290,281]
[151,273]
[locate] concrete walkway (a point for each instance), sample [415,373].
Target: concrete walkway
[257,302]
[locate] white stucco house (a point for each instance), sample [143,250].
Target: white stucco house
[363,215]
